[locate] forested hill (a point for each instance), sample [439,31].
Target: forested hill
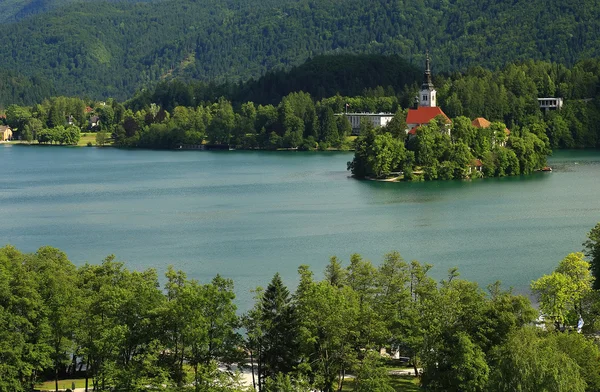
[321,77]
[112,48]
[14,10]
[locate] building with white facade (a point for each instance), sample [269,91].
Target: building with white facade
[550,103]
[377,119]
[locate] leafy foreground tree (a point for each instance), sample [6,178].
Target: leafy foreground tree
[528,361]
[131,335]
[455,364]
[562,294]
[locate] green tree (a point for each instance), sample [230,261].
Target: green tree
[455,364]
[335,274]
[25,335]
[17,116]
[592,251]
[101,138]
[57,287]
[327,319]
[279,339]
[561,293]
[527,362]
[584,351]
[222,124]
[371,375]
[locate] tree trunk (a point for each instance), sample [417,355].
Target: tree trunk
[342,378]
[415,366]
[252,367]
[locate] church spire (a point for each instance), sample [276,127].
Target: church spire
[427,94]
[427,83]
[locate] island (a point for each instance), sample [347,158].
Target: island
[433,146]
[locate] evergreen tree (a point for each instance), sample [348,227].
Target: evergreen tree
[279,353]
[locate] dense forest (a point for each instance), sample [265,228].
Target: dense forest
[107,49]
[123,331]
[176,114]
[14,10]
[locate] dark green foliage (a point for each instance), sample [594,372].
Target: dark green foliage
[113,48]
[445,152]
[276,333]
[133,336]
[530,361]
[377,154]
[592,249]
[455,365]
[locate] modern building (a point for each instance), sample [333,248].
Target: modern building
[550,103]
[377,119]
[426,101]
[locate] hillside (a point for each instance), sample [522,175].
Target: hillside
[322,77]
[102,49]
[14,10]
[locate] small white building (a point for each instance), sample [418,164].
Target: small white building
[550,103]
[377,119]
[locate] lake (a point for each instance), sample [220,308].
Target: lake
[248,215]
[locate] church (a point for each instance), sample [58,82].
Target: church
[427,108]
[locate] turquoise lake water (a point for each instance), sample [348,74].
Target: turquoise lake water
[247,215]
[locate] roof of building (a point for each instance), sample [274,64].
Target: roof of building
[4,128]
[424,114]
[476,163]
[481,122]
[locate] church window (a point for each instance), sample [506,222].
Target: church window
[424,97]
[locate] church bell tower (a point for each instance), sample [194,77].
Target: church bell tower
[427,95]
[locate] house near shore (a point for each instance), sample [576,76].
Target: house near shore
[476,165]
[426,106]
[5,133]
[93,122]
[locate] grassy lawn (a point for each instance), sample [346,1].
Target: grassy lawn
[64,384]
[90,137]
[399,383]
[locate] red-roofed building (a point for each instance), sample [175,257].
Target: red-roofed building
[422,115]
[476,165]
[426,109]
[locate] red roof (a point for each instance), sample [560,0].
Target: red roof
[481,122]
[424,114]
[476,163]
